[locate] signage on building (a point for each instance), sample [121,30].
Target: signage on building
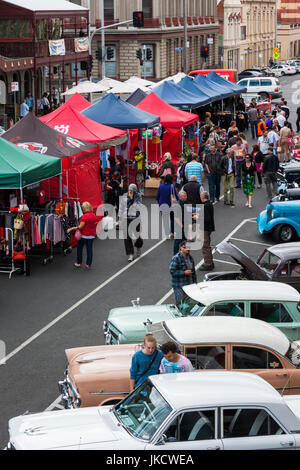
[14,86]
[210,40]
[81,44]
[57,47]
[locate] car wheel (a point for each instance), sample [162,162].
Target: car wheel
[264,96]
[283,233]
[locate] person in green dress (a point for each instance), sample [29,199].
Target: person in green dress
[248,179]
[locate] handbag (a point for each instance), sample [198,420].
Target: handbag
[78,235]
[18,223]
[20,254]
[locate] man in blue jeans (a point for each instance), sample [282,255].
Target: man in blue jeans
[212,165]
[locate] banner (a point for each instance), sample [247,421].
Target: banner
[81,44]
[57,47]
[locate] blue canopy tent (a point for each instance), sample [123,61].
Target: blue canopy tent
[136,97]
[215,90]
[114,112]
[187,83]
[237,89]
[176,96]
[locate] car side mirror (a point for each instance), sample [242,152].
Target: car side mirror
[162,440]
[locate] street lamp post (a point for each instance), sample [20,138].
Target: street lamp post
[185,37]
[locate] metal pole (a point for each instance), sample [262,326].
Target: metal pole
[276,40]
[103,39]
[185,37]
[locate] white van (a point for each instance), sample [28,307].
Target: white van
[263,86]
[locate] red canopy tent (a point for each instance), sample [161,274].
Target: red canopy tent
[76,101]
[173,120]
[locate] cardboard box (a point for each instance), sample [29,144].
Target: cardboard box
[151,187]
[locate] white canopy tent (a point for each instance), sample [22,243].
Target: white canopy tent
[127,88]
[85,87]
[109,82]
[139,81]
[176,79]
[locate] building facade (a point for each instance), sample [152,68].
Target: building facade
[257,33]
[230,33]
[288,31]
[163,34]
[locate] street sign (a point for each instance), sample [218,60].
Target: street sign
[178,48]
[14,86]
[276,50]
[276,56]
[210,40]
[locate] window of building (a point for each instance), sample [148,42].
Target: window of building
[111,64]
[254,358]
[109,12]
[249,422]
[243,33]
[81,73]
[147,69]
[147,8]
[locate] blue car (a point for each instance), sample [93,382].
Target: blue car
[281,219]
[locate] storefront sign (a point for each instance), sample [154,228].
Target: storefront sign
[14,86]
[57,47]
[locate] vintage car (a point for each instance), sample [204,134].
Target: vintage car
[280,263]
[128,325]
[281,220]
[287,194]
[289,174]
[169,412]
[99,375]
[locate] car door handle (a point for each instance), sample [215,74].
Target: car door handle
[281,375]
[287,444]
[213,448]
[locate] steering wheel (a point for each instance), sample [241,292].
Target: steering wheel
[150,412]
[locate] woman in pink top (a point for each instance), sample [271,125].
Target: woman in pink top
[87,228]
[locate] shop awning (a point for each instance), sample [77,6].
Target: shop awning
[114,112]
[20,168]
[237,89]
[176,96]
[71,122]
[169,116]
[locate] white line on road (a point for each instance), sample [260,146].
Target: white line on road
[77,304]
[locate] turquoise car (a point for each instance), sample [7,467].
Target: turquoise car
[281,219]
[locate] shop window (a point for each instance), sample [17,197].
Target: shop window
[147,69]
[80,72]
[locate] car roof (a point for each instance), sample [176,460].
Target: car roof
[286,250]
[215,291]
[214,388]
[225,329]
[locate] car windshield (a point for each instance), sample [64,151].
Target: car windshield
[293,353]
[143,412]
[268,262]
[190,307]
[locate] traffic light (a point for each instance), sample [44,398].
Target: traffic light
[204,52]
[98,54]
[138,19]
[148,54]
[139,55]
[110,53]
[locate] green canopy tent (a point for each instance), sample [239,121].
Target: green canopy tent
[20,168]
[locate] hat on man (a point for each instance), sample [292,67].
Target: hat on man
[132,187]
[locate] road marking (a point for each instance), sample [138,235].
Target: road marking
[248,241]
[77,304]
[226,262]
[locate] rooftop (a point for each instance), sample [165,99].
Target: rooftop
[216,291]
[199,330]
[46,5]
[215,388]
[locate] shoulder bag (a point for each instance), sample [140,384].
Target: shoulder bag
[148,368]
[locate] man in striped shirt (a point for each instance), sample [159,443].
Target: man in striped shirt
[194,168]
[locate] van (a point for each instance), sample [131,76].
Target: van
[263,86]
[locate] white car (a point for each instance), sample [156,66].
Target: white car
[283,69]
[187,411]
[263,86]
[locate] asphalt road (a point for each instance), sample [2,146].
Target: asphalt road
[59,307]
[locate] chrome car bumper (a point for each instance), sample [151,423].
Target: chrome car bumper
[69,395]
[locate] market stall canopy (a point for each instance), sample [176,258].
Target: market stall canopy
[76,102]
[169,116]
[32,134]
[20,168]
[187,83]
[139,81]
[71,122]
[237,89]
[175,78]
[136,97]
[109,82]
[176,96]
[126,88]
[216,91]
[114,112]
[85,87]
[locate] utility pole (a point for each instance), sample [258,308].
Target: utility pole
[276,36]
[185,37]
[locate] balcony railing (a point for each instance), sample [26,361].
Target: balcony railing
[21,49]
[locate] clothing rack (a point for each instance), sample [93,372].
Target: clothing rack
[10,269]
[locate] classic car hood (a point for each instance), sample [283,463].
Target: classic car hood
[227,248]
[63,429]
[104,360]
[130,322]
